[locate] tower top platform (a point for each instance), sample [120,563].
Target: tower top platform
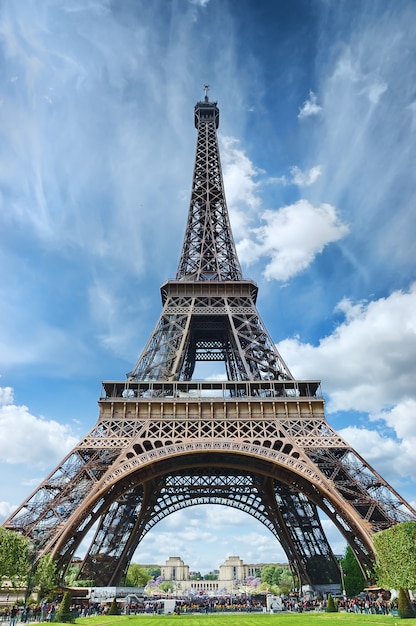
[207,112]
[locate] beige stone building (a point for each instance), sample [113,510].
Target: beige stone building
[232,576]
[175,569]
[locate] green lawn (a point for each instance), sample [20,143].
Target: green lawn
[246,619]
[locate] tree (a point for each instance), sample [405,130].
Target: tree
[273,574]
[153,572]
[166,585]
[63,614]
[404,605]
[14,556]
[354,579]
[137,576]
[273,589]
[286,581]
[396,556]
[277,577]
[267,574]
[45,576]
[70,577]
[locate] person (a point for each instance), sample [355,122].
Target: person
[13,616]
[51,614]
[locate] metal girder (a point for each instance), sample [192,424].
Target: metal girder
[188,324]
[287,514]
[361,486]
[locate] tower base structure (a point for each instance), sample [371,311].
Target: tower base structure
[262,447]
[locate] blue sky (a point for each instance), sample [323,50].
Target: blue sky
[318,145]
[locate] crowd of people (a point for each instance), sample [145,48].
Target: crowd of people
[365,603]
[44,612]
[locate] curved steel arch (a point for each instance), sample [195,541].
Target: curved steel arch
[132,511]
[138,498]
[258,495]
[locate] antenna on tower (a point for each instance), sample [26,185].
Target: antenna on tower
[206,89]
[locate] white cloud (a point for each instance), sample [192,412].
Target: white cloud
[6,395]
[35,441]
[200,3]
[374,90]
[6,509]
[391,458]
[305,178]
[291,238]
[367,365]
[402,418]
[309,107]
[368,362]
[241,184]
[298,177]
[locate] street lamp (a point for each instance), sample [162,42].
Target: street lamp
[339,561]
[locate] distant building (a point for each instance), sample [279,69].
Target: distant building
[175,569]
[231,576]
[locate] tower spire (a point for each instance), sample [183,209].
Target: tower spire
[208,251]
[200,321]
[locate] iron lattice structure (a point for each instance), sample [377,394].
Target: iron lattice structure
[258,441]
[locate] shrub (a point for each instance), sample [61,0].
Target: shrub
[64,614]
[113,610]
[331,606]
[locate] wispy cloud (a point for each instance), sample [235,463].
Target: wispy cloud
[367,159]
[310,107]
[199,3]
[305,178]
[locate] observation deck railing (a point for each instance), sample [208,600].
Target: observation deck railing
[220,390]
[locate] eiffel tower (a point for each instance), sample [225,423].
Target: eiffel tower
[257,441]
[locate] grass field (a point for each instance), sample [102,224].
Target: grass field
[247,619]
